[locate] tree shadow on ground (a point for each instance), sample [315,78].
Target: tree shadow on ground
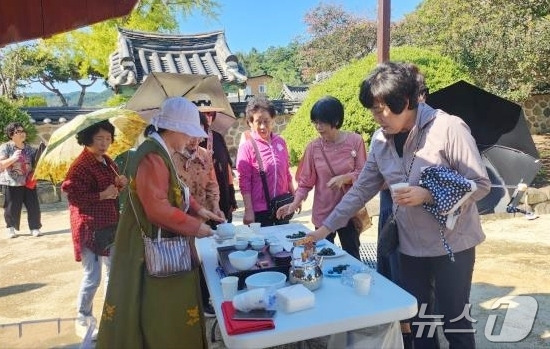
[15,289]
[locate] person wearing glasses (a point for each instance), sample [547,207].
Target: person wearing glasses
[18,187]
[273,152]
[92,185]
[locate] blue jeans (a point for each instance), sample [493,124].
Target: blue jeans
[91,280]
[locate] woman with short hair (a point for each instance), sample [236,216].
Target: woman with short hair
[273,152]
[92,185]
[18,187]
[436,263]
[330,165]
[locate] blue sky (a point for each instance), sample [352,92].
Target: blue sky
[260,24]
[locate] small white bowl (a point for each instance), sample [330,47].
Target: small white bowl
[243,260]
[258,245]
[241,245]
[266,279]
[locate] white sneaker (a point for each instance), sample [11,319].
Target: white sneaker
[36,233]
[82,327]
[11,233]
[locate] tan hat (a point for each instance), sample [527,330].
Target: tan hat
[204,103]
[178,114]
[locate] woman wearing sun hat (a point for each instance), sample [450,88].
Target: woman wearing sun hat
[140,310]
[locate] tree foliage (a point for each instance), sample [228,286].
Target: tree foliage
[502,43]
[438,70]
[9,112]
[282,63]
[336,38]
[34,101]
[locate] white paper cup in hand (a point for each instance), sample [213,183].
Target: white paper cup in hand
[230,285]
[361,283]
[397,186]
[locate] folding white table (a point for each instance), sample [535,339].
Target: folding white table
[337,307]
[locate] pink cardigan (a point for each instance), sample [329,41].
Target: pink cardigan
[275,159]
[348,156]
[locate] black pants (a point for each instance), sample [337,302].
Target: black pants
[349,238]
[14,198]
[444,287]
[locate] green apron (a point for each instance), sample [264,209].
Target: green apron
[141,311]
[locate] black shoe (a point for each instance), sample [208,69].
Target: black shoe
[208,311]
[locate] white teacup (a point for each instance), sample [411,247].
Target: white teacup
[361,283]
[275,247]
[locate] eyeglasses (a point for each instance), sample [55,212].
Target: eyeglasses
[265,122]
[19,132]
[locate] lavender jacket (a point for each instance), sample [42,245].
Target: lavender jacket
[275,159]
[446,141]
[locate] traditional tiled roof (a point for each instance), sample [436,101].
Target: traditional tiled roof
[139,53]
[294,93]
[55,115]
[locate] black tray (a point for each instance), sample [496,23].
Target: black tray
[263,257]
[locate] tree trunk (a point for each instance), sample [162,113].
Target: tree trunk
[83,88]
[61,97]
[82,94]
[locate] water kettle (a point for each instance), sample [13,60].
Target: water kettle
[306,270]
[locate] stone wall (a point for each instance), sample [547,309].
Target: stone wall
[536,200]
[537,113]
[233,136]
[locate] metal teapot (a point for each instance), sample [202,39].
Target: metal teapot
[306,271]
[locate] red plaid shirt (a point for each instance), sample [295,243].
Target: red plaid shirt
[86,178]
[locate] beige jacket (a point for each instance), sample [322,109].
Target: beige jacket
[446,141]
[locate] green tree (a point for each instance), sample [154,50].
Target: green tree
[502,43]
[282,63]
[11,71]
[40,65]
[336,38]
[438,70]
[34,101]
[117,100]
[9,112]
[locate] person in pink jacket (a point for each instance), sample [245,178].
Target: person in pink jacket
[260,114]
[415,136]
[335,151]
